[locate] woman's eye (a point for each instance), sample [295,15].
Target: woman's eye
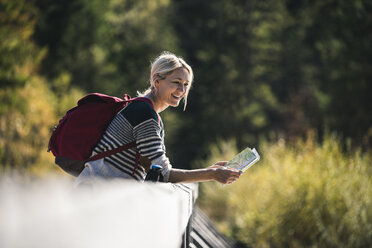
[180,84]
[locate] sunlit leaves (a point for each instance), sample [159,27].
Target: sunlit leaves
[302,195]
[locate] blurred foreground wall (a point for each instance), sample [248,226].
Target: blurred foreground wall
[115,214]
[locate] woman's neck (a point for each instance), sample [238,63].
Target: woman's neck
[157,105]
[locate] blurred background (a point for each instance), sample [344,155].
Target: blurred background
[291,78]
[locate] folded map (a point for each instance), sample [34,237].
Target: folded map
[244,159]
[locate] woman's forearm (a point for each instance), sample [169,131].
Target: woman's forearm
[189,176]
[216,172]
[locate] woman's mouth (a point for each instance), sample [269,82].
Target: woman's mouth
[176,97]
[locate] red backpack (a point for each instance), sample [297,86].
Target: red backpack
[81,129]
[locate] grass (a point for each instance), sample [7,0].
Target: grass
[301,195]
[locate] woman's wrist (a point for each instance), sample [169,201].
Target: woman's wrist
[212,173]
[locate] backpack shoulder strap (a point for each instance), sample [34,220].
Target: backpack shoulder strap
[111,152]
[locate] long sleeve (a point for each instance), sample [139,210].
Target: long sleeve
[140,123]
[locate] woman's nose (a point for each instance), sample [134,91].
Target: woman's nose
[182,87]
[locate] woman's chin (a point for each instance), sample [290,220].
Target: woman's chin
[175,103]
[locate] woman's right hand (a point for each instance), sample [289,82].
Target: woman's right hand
[224,175]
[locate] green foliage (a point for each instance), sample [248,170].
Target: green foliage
[19,119]
[344,53]
[27,106]
[262,68]
[265,67]
[104,46]
[66,95]
[17,54]
[234,61]
[25,129]
[302,195]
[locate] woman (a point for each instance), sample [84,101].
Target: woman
[170,82]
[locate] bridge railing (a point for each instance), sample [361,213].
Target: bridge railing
[116,214]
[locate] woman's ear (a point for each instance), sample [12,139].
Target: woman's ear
[156,83]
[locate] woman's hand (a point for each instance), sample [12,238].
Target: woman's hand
[224,175]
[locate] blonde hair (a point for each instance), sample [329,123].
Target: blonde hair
[164,65]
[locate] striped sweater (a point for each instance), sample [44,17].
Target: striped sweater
[137,122]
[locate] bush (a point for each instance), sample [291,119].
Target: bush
[302,195]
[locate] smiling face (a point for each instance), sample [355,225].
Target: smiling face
[171,89]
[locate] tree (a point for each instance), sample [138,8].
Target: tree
[103,46]
[26,104]
[339,35]
[233,47]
